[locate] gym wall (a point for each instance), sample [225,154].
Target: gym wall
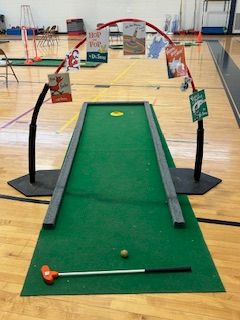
[50,12]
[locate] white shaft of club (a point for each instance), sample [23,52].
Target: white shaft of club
[89,273]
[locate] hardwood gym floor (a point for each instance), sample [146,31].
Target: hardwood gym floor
[129,79]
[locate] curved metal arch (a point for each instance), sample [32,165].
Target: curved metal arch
[132,20]
[38,187]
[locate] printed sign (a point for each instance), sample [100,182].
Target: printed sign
[134,34]
[176,63]
[72,61]
[156,46]
[97,45]
[60,88]
[198,105]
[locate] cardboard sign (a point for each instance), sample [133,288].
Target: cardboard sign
[97,45]
[156,47]
[198,105]
[60,88]
[134,35]
[72,61]
[176,64]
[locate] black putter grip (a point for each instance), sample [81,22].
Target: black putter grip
[165,270]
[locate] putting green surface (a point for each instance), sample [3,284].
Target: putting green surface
[114,199]
[116,46]
[187,43]
[50,63]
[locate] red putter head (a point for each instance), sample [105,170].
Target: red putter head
[48,275]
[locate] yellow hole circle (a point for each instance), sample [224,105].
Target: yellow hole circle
[116,114]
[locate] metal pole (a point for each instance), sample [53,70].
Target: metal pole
[199,152]
[32,134]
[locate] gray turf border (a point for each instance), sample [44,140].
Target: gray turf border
[52,212]
[173,203]
[174,206]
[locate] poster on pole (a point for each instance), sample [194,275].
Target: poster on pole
[176,64]
[134,37]
[97,45]
[60,87]
[72,61]
[198,105]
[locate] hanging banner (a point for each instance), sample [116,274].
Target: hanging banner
[176,64]
[72,60]
[198,105]
[134,35]
[97,45]
[60,87]
[156,46]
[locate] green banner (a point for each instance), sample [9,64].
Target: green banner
[97,57]
[198,105]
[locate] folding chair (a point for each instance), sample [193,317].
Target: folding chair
[44,37]
[5,63]
[53,34]
[114,32]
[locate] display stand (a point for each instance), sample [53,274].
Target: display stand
[27,24]
[194,181]
[36,183]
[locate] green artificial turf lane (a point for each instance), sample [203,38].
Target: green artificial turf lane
[49,63]
[114,199]
[116,46]
[187,43]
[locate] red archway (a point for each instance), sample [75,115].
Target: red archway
[131,20]
[184,177]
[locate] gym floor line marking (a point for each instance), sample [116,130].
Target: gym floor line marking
[156,87]
[202,220]
[221,222]
[118,85]
[19,117]
[99,95]
[15,119]
[8,197]
[183,141]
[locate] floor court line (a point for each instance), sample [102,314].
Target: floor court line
[19,117]
[47,202]
[21,199]
[99,95]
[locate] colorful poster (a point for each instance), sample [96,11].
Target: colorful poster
[134,35]
[176,63]
[198,105]
[156,46]
[72,60]
[60,88]
[97,45]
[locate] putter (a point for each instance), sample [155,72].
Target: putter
[49,275]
